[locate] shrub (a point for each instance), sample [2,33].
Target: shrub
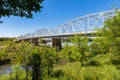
[57,74]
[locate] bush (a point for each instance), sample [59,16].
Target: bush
[74,71]
[57,74]
[94,63]
[115,61]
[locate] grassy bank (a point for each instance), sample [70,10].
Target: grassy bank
[74,71]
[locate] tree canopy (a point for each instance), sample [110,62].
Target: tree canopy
[22,8]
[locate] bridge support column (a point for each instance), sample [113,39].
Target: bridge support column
[56,42]
[34,41]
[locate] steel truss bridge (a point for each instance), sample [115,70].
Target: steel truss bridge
[81,25]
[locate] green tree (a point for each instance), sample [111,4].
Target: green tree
[78,51]
[16,72]
[35,61]
[7,49]
[81,42]
[23,8]
[110,37]
[49,58]
[23,51]
[67,53]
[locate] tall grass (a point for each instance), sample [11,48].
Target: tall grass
[74,71]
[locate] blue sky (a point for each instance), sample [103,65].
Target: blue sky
[53,14]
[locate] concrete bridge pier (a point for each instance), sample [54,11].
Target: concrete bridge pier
[34,41]
[56,42]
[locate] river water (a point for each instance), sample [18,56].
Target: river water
[5,69]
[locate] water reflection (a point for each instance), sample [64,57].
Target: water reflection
[5,69]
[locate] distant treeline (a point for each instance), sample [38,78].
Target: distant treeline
[7,39]
[68,39]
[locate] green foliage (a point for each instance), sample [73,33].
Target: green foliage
[109,43]
[7,49]
[98,61]
[17,73]
[36,62]
[23,51]
[66,40]
[40,40]
[2,55]
[74,71]
[3,39]
[22,8]
[57,73]
[69,53]
[78,51]
[49,57]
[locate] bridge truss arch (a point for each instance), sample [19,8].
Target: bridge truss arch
[87,23]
